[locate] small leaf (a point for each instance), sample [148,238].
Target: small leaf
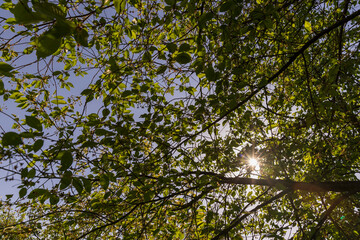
[120,5]
[184,47]
[54,199]
[58,101]
[161,69]
[78,185]
[11,139]
[2,87]
[38,145]
[66,160]
[5,68]
[308,26]
[146,57]
[22,192]
[24,15]
[172,47]
[210,74]
[31,173]
[87,184]
[183,58]
[227,6]
[113,65]
[48,10]
[104,181]
[38,192]
[47,44]
[105,112]
[24,172]
[34,123]
[87,92]
[65,180]
[81,37]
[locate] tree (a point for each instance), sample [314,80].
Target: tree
[137,119]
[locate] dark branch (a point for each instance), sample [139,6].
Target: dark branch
[342,186]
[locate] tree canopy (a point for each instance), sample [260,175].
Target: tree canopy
[137,119]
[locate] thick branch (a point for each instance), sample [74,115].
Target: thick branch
[340,186]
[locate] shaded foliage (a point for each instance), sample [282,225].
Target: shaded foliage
[136,119]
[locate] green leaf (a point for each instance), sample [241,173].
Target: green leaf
[210,74]
[48,10]
[161,69]
[65,180]
[120,5]
[76,182]
[2,87]
[105,112]
[58,101]
[102,132]
[24,15]
[183,58]
[308,26]
[47,44]
[87,92]
[38,145]
[34,123]
[54,199]
[104,181]
[170,2]
[24,172]
[87,184]
[81,36]
[146,57]
[184,47]
[5,68]
[11,139]
[66,160]
[113,65]
[31,173]
[37,193]
[22,192]
[172,47]
[227,5]
[63,28]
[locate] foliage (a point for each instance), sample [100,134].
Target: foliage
[135,119]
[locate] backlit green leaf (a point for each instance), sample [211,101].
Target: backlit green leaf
[119,5]
[24,15]
[47,44]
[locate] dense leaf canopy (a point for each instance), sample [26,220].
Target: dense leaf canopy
[137,119]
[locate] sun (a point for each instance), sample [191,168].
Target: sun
[253,162]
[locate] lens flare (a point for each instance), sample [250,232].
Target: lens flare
[253,162]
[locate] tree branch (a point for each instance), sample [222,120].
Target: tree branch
[343,186]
